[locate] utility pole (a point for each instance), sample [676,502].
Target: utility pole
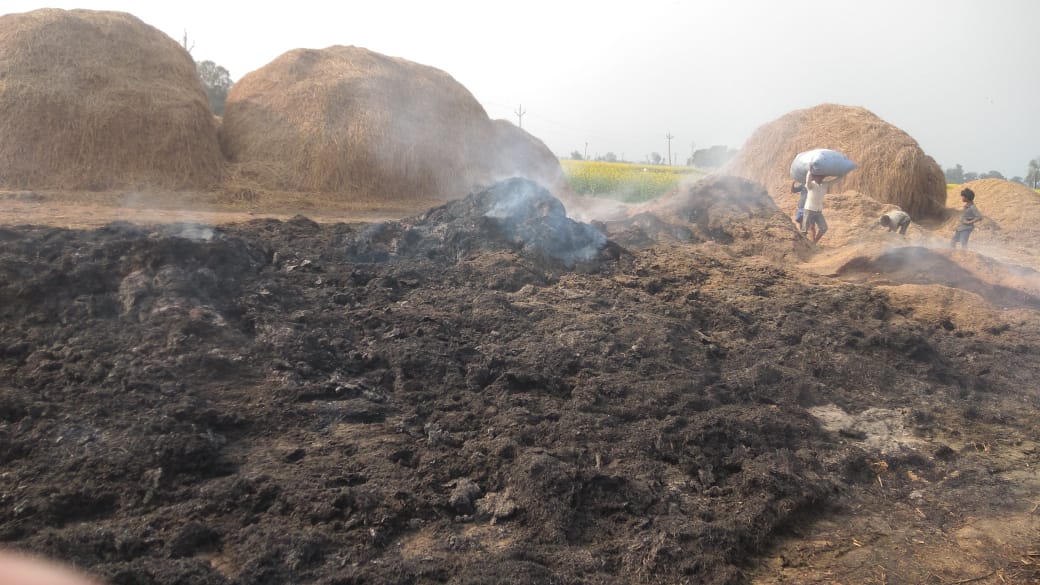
[586,150]
[669,137]
[520,115]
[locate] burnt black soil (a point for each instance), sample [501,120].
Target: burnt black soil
[447,399]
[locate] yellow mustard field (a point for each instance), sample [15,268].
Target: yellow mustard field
[625,181]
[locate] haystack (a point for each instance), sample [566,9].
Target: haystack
[892,166]
[364,126]
[100,100]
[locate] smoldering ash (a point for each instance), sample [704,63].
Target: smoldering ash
[537,222]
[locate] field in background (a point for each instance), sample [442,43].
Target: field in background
[626,182]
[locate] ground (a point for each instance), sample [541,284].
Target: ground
[487,393]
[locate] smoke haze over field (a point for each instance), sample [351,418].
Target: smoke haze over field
[597,77]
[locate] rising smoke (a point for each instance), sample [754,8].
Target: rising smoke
[532,218]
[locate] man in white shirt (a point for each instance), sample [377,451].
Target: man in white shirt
[817,187]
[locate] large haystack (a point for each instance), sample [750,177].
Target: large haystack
[100,100]
[364,126]
[892,166]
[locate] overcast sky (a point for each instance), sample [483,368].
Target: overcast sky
[960,76]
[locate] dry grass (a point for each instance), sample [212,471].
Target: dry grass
[892,166]
[99,100]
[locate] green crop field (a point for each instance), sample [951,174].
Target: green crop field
[626,181]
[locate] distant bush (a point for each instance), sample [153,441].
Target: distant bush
[217,82]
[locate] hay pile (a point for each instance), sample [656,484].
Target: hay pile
[100,100]
[892,167]
[365,126]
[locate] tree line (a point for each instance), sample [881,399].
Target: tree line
[957,175]
[217,82]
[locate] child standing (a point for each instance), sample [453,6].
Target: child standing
[969,217]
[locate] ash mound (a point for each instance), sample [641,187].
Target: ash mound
[516,214]
[442,400]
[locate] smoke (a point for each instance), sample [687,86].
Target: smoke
[587,209]
[192,215]
[529,216]
[190,231]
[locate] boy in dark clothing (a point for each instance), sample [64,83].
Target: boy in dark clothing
[802,194]
[969,217]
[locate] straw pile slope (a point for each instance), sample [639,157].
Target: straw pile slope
[892,166]
[361,125]
[100,100]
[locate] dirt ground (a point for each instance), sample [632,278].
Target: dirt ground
[490,392]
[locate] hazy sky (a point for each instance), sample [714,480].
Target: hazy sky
[960,76]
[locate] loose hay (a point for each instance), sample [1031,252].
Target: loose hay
[892,166]
[350,121]
[93,100]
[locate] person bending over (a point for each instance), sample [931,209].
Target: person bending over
[896,220]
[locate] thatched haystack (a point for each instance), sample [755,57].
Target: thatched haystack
[100,100]
[365,126]
[892,166]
